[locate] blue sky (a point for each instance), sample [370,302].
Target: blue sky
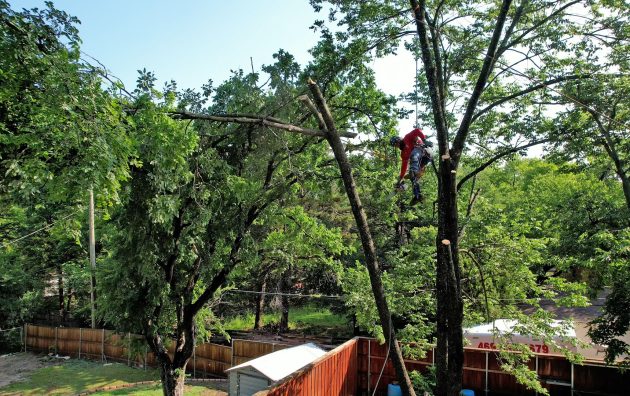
[189,41]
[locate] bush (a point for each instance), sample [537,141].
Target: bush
[11,340]
[423,383]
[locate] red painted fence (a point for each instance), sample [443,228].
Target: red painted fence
[356,368]
[333,374]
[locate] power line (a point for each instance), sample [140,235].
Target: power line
[285,294]
[47,226]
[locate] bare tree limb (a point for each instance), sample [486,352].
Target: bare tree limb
[252,120]
[488,63]
[428,59]
[471,202]
[369,249]
[611,149]
[533,88]
[498,157]
[538,24]
[483,280]
[510,30]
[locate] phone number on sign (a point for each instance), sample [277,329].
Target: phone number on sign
[537,348]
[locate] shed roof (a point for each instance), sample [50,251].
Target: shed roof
[503,326]
[279,364]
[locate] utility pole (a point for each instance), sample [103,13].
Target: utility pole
[92,260]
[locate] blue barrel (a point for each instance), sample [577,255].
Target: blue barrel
[394,390]
[467,392]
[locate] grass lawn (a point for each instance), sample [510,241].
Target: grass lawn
[75,376]
[156,390]
[308,318]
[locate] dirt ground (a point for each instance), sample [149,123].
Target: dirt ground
[16,366]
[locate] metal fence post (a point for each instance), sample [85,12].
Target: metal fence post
[195,359]
[145,357]
[232,357]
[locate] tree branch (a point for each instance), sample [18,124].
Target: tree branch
[488,63]
[246,119]
[537,25]
[435,41]
[498,157]
[419,10]
[483,280]
[471,202]
[517,17]
[533,88]
[367,242]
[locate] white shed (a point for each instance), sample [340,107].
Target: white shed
[258,374]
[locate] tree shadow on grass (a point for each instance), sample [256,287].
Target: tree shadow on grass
[75,376]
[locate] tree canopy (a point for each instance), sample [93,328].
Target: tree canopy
[241,183]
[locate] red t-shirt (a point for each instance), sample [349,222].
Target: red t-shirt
[409,140]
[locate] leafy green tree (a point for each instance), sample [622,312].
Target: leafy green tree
[613,324]
[196,194]
[60,135]
[551,224]
[478,82]
[297,250]
[37,267]
[597,115]
[61,132]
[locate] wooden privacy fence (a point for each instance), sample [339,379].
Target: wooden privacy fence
[243,350]
[108,345]
[354,368]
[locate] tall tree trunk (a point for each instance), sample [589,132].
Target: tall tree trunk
[449,357]
[62,305]
[69,295]
[285,288]
[260,304]
[449,297]
[172,376]
[173,371]
[172,380]
[92,243]
[625,183]
[327,123]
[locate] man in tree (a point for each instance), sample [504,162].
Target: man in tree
[413,153]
